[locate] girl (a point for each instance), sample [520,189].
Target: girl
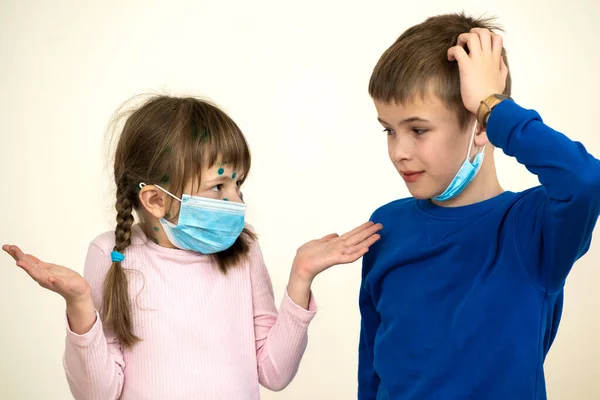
[180,305]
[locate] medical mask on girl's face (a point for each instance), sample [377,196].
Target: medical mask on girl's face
[467,171]
[205,225]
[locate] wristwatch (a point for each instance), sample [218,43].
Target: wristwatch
[486,106]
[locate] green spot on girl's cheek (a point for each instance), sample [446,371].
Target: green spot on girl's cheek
[234,175]
[168,215]
[225,199]
[221,171]
[155,240]
[156,229]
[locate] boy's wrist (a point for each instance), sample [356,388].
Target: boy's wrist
[487,105]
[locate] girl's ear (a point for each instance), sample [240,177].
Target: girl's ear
[153,200]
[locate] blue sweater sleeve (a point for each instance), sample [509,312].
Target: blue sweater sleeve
[368,380]
[554,230]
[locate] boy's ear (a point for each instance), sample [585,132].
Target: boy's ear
[153,200]
[481,138]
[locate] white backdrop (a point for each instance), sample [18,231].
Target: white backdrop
[294,76]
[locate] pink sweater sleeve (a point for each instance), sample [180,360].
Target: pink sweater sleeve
[280,339]
[93,361]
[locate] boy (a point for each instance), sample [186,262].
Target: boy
[462,296]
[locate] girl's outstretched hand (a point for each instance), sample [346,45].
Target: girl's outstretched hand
[64,281]
[316,256]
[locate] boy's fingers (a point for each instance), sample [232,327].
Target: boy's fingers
[469,41]
[485,38]
[458,54]
[497,43]
[503,70]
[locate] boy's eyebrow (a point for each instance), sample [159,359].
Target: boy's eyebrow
[407,120]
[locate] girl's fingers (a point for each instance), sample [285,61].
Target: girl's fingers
[350,258]
[356,230]
[363,234]
[327,238]
[364,244]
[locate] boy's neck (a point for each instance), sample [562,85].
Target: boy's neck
[484,186]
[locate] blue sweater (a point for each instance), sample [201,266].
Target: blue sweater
[465,302]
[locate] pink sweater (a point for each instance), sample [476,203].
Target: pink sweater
[204,335]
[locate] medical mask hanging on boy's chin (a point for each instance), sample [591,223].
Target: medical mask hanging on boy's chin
[205,225]
[467,171]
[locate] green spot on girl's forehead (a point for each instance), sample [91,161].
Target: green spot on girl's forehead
[221,171]
[164,179]
[234,175]
[156,229]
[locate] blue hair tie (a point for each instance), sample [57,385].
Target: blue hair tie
[116,256]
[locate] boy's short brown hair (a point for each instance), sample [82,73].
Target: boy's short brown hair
[417,63]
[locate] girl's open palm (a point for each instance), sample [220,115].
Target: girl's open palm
[316,256]
[64,281]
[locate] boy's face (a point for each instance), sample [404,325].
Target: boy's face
[425,143]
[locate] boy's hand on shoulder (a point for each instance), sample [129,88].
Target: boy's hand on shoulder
[482,69]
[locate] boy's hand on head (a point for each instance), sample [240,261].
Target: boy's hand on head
[482,70]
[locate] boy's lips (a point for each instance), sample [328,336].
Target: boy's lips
[411,176]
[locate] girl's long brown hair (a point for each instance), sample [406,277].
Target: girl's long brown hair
[166,141]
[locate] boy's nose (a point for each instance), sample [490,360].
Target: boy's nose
[400,150]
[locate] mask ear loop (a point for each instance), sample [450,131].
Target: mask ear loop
[142,185]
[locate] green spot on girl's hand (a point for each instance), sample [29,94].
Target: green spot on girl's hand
[221,171]
[156,229]
[234,175]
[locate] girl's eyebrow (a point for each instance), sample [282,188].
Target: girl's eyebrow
[219,179]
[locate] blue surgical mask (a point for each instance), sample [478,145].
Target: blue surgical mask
[465,174]
[205,225]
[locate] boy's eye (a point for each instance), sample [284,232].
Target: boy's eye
[418,131]
[388,131]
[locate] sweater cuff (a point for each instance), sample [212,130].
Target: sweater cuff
[305,316]
[504,118]
[84,339]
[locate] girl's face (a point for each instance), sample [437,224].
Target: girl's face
[220,182]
